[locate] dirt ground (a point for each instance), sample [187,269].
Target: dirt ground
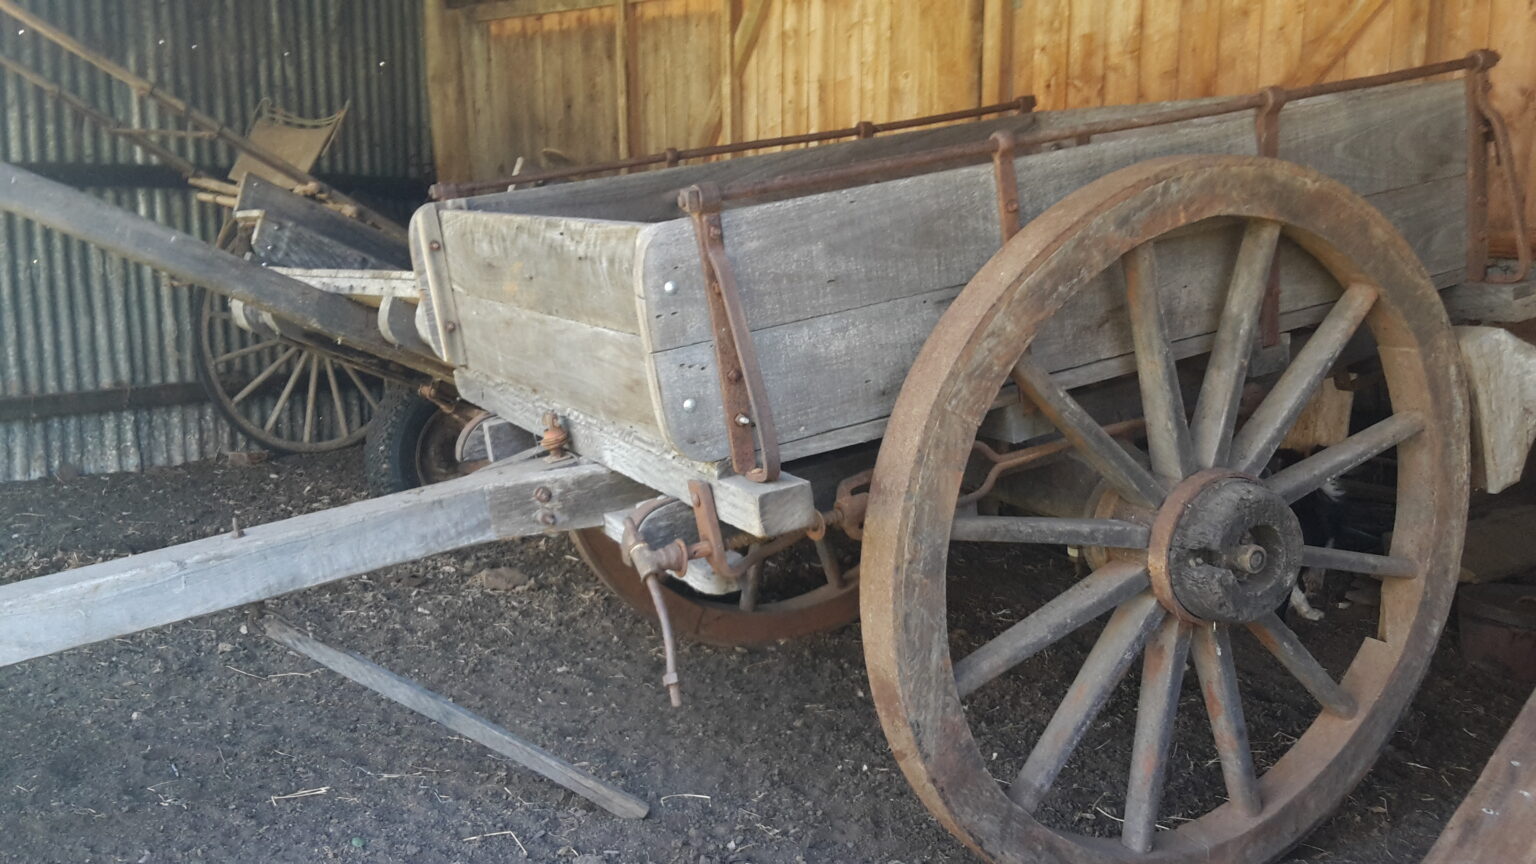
[188,743]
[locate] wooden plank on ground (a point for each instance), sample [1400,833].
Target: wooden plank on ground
[114,598]
[1496,822]
[408,693]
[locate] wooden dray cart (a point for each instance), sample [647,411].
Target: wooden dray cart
[1104,329]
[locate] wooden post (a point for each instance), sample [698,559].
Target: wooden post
[728,102]
[622,83]
[996,52]
[434,707]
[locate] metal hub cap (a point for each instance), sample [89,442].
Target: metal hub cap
[1224,548]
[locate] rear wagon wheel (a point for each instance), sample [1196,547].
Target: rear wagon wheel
[1201,545]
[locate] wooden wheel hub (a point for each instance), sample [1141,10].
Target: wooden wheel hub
[1224,548]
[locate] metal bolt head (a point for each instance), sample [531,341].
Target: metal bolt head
[733,376]
[435,246]
[1248,558]
[743,420]
[542,495]
[547,518]
[451,326]
[690,404]
[669,287]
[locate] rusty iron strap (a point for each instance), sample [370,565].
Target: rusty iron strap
[742,392]
[1266,123]
[1504,156]
[1007,183]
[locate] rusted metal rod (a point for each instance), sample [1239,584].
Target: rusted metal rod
[149,90]
[672,155]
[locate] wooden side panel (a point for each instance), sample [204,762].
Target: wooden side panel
[840,288]
[825,253]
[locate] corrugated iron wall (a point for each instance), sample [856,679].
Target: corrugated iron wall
[73,319]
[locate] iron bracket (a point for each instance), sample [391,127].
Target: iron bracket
[742,391]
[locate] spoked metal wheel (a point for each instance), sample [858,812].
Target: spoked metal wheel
[277,392]
[809,604]
[1202,546]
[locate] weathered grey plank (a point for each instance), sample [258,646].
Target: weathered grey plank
[580,367]
[1381,139]
[763,509]
[434,707]
[835,251]
[53,613]
[568,268]
[314,218]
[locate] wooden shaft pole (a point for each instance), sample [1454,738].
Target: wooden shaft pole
[189,259]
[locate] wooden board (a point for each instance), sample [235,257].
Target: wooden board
[568,268]
[52,613]
[1496,822]
[763,509]
[303,214]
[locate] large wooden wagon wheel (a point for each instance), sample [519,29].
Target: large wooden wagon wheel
[1201,549]
[277,392]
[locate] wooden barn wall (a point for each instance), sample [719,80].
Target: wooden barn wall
[600,79]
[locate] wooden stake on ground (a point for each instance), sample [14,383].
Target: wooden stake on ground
[435,707]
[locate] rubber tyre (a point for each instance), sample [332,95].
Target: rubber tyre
[391,452]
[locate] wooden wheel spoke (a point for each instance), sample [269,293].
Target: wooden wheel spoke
[1212,653]
[1134,483]
[1312,472]
[1280,641]
[282,398]
[1216,409]
[361,387]
[1116,533]
[309,400]
[1156,370]
[341,409]
[1112,654]
[261,379]
[1275,416]
[1162,676]
[1102,590]
[1364,563]
[243,352]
